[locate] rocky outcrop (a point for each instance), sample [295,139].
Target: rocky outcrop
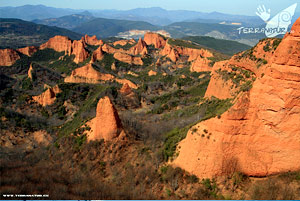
[64,44]
[154,39]
[124,42]
[201,64]
[107,124]
[78,49]
[42,137]
[152,73]
[126,90]
[29,51]
[173,52]
[108,49]
[128,82]
[92,40]
[218,87]
[170,52]
[113,66]
[31,72]
[126,58]
[59,44]
[87,74]
[98,55]
[8,57]
[260,134]
[48,97]
[194,53]
[139,49]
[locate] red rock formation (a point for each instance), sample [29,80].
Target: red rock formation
[78,49]
[91,40]
[139,49]
[174,51]
[97,55]
[48,97]
[170,52]
[30,72]
[8,57]
[126,90]
[59,44]
[29,51]
[113,66]
[126,58]
[217,86]
[152,73]
[154,39]
[201,64]
[87,74]
[128,82]
[260,134]
[63,43]
[193,53]
[108,49]
[124,42]
[107,124]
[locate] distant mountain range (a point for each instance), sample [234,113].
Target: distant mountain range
[103,28]
[113,23]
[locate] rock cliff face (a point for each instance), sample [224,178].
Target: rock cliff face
[63,43]
[78,49]
[126,58]
[87,74]
[48,97]
[107,124]
[152,73]
[59,44]
[29,51]
[124,42]
[201,64]
[30,72]
[173,52]
[108,49]
[126,90]
[170,52]
[139,49]
[252,60]
[193,53]
[217,86]
[8,57]
[128,82]
[91,40]
[260,134]
[154,39]
[98,55]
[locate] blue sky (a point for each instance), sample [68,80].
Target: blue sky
[244,7]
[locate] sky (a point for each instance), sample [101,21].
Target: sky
[242,7]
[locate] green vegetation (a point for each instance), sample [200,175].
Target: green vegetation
[213,107]
[172,138]
[271,44]
[224,46]
[17,33]
[240,77]
[125,47]
[78,120]
[27,84]
[183,43]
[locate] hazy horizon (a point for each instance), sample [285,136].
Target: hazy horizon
[234,7]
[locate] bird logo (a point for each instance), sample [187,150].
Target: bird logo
[279,23]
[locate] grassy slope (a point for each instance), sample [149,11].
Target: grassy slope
[224,46]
